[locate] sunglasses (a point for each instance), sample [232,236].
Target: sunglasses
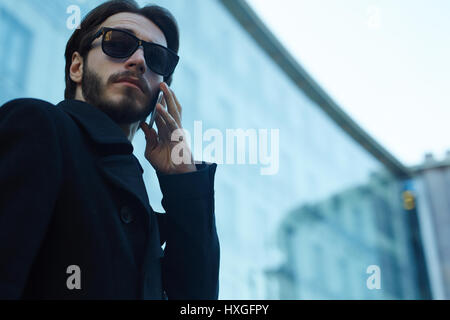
[122,44]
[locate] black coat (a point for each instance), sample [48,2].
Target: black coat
[72,193]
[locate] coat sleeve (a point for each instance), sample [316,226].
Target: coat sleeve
[190,266]
[30,176]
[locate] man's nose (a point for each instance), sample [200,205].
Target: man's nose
[137,61]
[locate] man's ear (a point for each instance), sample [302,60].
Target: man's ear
[76,68]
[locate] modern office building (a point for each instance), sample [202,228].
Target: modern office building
[334,206]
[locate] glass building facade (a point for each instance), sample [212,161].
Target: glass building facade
[310,231]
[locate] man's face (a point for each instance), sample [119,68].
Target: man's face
[104,82]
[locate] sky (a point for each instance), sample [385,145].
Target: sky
[384,62]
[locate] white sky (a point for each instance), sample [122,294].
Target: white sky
[385,62]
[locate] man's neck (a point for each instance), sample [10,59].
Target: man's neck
[130,130]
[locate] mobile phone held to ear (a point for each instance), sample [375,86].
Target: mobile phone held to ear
[152,119]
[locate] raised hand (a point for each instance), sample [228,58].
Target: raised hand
[160,147]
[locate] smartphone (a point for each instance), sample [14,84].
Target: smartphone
[152,119]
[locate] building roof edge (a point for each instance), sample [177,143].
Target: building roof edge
[251,22]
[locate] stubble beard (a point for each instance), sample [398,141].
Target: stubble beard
[125,111]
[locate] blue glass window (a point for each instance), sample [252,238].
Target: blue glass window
[15,41]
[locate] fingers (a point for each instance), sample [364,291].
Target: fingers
[170,123]
[167,120]
[172,104]
[163,131]
[178,104]
[145,127]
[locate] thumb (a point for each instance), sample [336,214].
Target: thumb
[150,135]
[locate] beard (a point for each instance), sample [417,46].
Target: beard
[128,109]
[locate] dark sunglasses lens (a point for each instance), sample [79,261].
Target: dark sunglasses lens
[118,44]
[160,60]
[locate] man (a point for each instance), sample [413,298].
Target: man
[75,219]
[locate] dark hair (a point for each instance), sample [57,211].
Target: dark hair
[80,40]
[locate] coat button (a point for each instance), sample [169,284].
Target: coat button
[126,215]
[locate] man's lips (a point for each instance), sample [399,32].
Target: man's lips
[131,82]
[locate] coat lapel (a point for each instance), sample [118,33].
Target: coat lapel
[114,151]
[125,173]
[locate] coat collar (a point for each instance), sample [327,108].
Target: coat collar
[102,129]
[116,161]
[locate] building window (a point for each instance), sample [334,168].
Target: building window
[16,38]
[384,217]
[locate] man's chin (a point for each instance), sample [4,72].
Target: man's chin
[124,111]
[127,103]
